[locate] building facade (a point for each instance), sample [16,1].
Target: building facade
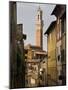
[20,56]
[56,40]
[17,61]
[60,13]
[51,61]
[32,73]
[34,57]
[43,72]
[13,22]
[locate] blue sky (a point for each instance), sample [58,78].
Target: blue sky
[26,14]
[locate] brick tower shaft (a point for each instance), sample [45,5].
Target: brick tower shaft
[39,29]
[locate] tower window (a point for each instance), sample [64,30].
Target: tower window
[38,17]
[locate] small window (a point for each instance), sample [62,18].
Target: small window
[58,57]
[62,26]
[38,17]
[43,61]
[62,55]
[26,51]
[60,77]
[25,57]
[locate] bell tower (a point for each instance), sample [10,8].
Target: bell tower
[39,29]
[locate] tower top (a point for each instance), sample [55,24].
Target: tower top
[39,9]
